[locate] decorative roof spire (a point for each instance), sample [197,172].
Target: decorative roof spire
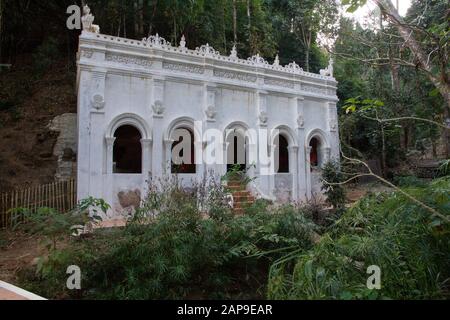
[328,71]
[233,52]
[183,42]
[276,63]
[87,19]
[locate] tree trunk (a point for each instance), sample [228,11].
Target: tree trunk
[308,49]
[141,18]
[406,33]
[136,21]
[383,152]
[307,59]
[249,26]
[234,22]
[1,24]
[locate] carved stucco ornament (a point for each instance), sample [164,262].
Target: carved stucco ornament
[263,118]
[158,109]
[333,125]
[211,112]
[98,102]
[301,121]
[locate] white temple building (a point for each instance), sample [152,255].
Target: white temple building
[135,96]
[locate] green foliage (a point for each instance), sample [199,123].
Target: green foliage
[45,55]
[444,168]
[335,193]
[178,254]
[56,226]
[388,230]
[353,5]
[236,174]
[409,181]
[404,90]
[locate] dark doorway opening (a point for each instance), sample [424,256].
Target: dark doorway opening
[236,153]
[314,155]
[127,152]
[183,161]
[282,161]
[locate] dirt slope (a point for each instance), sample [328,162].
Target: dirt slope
[27,103]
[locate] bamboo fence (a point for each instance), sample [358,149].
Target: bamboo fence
[61,196]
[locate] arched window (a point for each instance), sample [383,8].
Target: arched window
[236,151]
[281,155]
[183,151]
[127,152]
[314,154]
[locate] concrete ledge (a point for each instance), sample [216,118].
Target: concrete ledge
[11,292]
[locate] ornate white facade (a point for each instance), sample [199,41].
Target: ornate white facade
[156,88]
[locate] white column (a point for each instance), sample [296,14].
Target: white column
[146,145]
[109,154]
[293,169]
[96,160]
[167,159]
[109,169]
[302,158]
[157,163]
[333,129]
[308,172]
[264,180]
[210,111]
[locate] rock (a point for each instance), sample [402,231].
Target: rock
[68,155]
[46,155]
[130,199]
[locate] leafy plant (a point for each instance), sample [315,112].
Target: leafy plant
[331,177]
[387,230]
[177,253]
[444,168]
[56,226]
[236,174]
[45,55]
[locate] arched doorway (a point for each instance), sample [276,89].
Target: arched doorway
[183,151]
[127,151]
[281,154]
[314,154]
[236,150]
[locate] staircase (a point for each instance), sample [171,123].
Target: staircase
[241,197]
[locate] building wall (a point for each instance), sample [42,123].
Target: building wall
[154,86]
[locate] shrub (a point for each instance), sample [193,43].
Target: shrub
[331,176]
[444,168]
[175,252]
[388,230]
[409,181]
[46,54]
[55,226]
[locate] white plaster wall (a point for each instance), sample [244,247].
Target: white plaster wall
[133,80]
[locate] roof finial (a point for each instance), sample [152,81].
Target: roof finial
[276,63]
[233,52]
[328,71]
[183,42]
[87,19]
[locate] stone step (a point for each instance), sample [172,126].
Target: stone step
[234,184]
[247,198]
[241,194]
[241,205]
[236,188]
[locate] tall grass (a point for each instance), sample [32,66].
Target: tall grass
[411,247]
